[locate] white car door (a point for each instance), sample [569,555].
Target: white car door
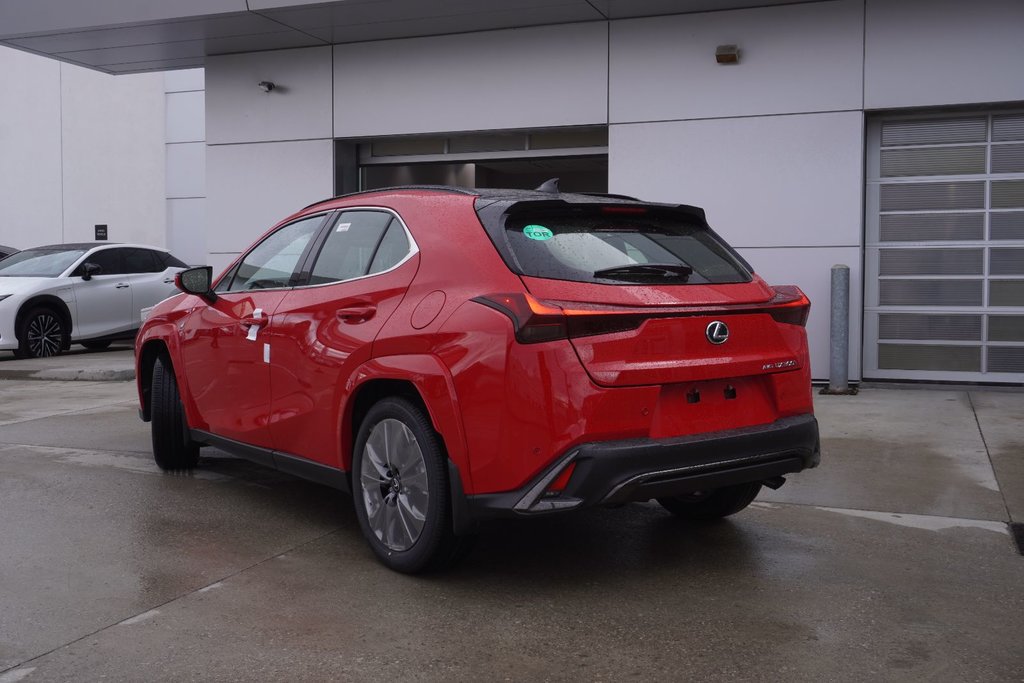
[103,303]
[151,281]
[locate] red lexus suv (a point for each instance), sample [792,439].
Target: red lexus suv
[451,356]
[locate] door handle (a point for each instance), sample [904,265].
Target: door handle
[356,313]
[169,281]
[121,285]
[253,323]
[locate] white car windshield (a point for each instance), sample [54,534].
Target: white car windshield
[39,262]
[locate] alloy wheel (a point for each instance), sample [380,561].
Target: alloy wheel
[45,336]
[394,484]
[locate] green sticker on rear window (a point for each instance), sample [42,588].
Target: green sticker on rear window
[538,232]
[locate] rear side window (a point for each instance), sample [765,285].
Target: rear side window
[169,261]
[360,243]
[141,261]
[618,248]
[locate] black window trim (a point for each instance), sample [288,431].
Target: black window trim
[307,265]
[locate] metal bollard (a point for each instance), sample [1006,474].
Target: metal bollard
[839,333]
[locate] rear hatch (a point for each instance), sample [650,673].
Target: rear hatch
[649,294]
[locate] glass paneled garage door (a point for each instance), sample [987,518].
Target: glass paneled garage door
[944,258]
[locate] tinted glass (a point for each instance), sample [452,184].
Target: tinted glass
[109,260]
[350,246]
[141,261]
[579,246]
[273,261]
[393,248]
[169,261]
[39,262]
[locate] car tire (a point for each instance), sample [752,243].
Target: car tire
[400,489]
[172,448]
[708,505]
[96,345]
[42,334]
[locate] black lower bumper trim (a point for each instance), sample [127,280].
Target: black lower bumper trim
[641,469]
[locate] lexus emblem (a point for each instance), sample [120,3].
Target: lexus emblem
[717,332]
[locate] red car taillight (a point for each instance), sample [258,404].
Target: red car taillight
[789,305]
[536,321]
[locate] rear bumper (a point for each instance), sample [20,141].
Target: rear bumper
[616,472]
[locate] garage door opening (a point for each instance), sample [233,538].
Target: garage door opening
[520,159]
[944,257]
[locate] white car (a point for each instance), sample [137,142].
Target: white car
[89,294]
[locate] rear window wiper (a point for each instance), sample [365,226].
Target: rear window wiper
[675,271]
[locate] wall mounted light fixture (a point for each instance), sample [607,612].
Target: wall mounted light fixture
[266,86]
[727,54]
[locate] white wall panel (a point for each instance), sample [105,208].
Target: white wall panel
[186,230]
[185,116]
[186,170]
[113,170]
[811,270]
[939,52]
[184,80]
[30,150]
[299,108]
[522,78]
[252,187]
[764,181]
[794,59]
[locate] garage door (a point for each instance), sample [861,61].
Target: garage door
[944,257]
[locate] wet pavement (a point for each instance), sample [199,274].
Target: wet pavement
[891,562]
[116,363]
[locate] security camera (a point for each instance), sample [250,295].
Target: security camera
[266,86]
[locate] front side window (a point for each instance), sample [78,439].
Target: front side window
[360,243]
[39,262]
[110,261]
[616,248]
[272,263]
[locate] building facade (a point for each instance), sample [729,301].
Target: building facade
[887,135]
[80,148]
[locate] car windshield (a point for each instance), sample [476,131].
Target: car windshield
[613,248]
[39,262]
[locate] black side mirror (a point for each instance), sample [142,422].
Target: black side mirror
[89,269]
[198,281]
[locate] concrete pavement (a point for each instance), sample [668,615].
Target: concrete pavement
[116,364]
[892,561]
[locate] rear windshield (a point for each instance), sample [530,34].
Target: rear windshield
[620,248]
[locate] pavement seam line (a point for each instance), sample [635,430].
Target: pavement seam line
[880,512]
[169,601]
[144,454]
[988,454]
[64,414]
